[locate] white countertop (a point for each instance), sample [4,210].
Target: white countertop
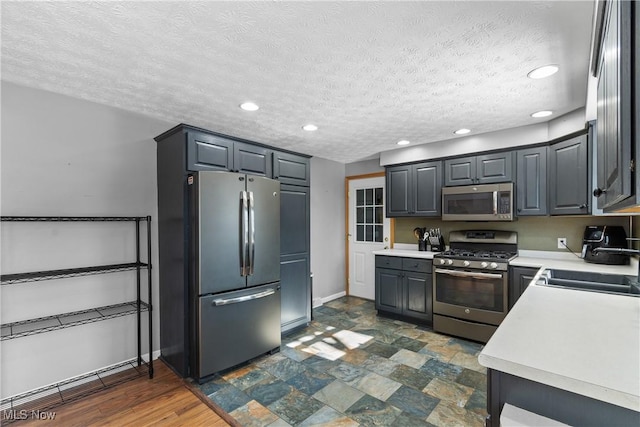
[584,342]
[567,261]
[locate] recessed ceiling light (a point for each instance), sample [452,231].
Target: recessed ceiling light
[462,131]
[542,72]
[310,127]
[544,113]
[403,142]
[249,106]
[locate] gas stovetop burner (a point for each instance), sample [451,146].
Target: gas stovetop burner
[479,254]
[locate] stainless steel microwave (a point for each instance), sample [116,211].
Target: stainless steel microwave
[488,202]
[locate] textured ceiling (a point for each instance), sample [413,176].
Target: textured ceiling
[366,73]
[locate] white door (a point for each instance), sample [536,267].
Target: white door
[368,231]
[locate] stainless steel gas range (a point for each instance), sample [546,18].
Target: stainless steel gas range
[470,283]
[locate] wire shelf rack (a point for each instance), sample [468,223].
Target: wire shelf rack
[66,320]
[35,276]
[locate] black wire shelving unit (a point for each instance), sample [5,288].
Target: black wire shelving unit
[50,396]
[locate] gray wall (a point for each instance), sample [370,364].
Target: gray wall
[327,227]
[363,167]
[67,157]
[524,135]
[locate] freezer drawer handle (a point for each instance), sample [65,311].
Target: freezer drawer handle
[243,298]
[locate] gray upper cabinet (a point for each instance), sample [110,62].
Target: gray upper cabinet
[615,122]
[291,169]
[568,177]
[414,190]
[207,152]
[252,159]
[482,169]
[531,181]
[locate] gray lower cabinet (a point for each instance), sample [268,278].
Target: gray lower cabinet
[404,287]
[519,279]
[569,177]
[481,169]
[551,402]
[295,280]
[414,190]
[531,181]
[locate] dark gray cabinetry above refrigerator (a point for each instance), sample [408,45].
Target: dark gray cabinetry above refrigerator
[618,114]
[414,190]
[531,181]
[481,169]
[223,286]
[404,287]
[569,177]
[291,169]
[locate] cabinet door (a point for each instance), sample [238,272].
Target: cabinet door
[418,296]
[531,182]
[496,167]
[208,152]
[291,169]
[427,189]
[460,171]
[568,177]
[252,159]
[614,106]
[295,279]
[519,279]
[399,190]
[389,290]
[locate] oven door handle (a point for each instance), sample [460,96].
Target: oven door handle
[470,274]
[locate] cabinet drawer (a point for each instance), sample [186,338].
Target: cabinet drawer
[419,265]
[389,262]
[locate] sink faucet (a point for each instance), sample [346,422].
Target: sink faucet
[620,251]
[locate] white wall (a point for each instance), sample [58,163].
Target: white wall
[68,157]
[573,121]
[327,227]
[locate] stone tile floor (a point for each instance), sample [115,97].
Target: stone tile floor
[405,375]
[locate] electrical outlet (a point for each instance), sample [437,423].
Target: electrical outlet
[562,242]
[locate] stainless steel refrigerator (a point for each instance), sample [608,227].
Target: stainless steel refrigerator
[236,269]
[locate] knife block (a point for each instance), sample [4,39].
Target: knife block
[437,244]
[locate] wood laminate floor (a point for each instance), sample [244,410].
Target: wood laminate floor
[166,400]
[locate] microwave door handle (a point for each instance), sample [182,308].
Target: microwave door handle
[495,203]
[477,275]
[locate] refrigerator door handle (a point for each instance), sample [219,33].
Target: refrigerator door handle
[252,234]
[244,231]
[244,298]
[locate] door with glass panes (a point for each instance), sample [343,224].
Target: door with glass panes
[368,231]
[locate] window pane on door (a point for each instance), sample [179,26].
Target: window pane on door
[369,214]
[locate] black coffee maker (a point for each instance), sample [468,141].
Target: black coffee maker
[604,236]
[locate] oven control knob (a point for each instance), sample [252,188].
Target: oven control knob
[466,310]
[483,264]
[466,263]
[449,261]
[441,261]
[494,265]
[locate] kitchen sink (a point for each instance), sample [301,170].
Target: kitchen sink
[588,281]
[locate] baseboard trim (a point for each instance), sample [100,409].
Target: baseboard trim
[334,296]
